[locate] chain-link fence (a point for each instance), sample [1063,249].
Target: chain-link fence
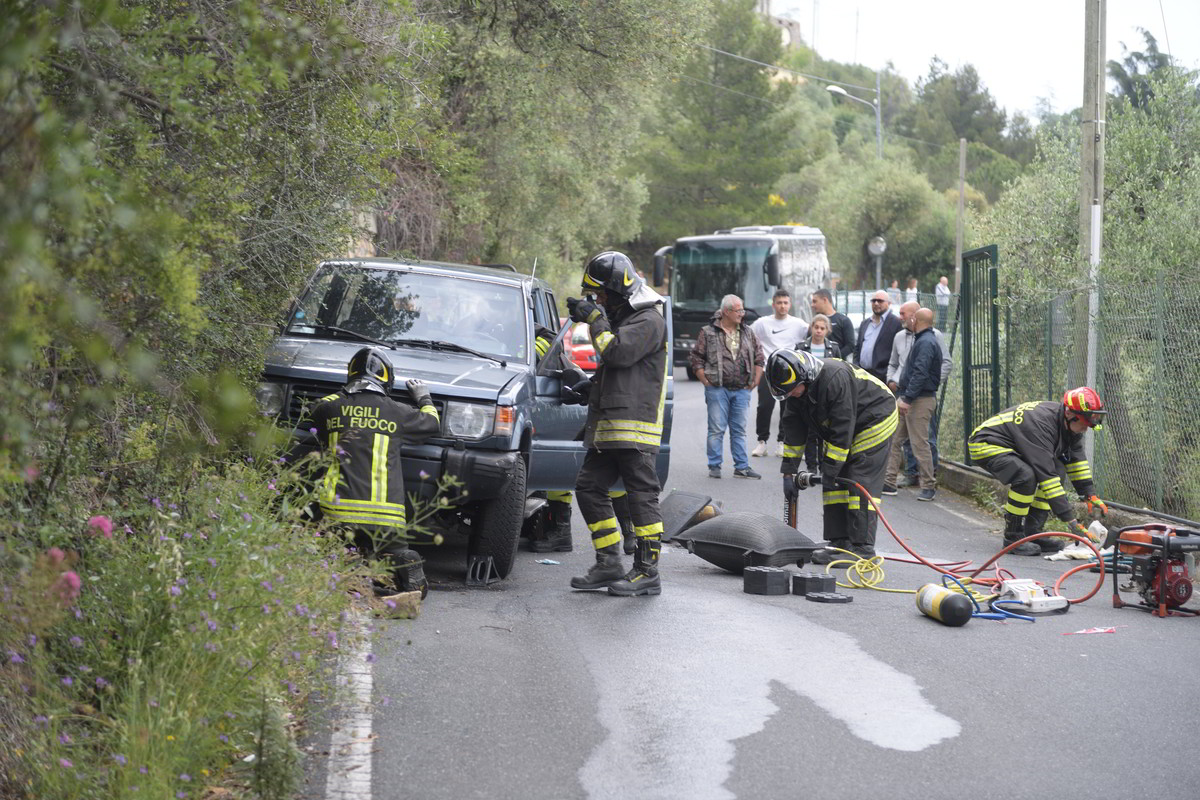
[1147,339]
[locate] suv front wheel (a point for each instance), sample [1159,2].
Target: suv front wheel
[497,526]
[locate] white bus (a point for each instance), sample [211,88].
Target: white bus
[750,262]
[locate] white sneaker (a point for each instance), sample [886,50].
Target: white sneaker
[759,450]
[778,450]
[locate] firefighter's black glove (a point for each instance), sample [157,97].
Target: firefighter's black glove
[790,492]
[583,310]
[419,392]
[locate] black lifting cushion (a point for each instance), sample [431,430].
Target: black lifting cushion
[746,539]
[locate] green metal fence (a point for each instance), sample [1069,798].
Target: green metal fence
[1147,370]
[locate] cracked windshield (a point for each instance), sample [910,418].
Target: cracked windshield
[389,305]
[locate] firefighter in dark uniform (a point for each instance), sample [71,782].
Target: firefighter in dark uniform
[624,423]
[363,488]
[854,414]
[556,536]
[1026,447]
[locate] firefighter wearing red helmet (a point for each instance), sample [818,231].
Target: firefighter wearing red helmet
[1027,448]
[624,423]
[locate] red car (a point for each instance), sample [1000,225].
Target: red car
[578,344]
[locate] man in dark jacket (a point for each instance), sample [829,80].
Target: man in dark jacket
[363,488]
[855,416]
[841,329]
[917,400]
[1026,447]
[728,360]
[624,423]
[875,336]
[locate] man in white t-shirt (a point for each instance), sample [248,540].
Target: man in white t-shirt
[774,332]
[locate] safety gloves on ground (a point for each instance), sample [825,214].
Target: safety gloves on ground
[419,392]
[1076,527]
[583,310]
[1094,504]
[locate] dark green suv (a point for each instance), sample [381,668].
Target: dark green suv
[467,332]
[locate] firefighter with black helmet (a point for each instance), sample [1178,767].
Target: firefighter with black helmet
[363,488]
[624,423]
[854,414]
[1026,447]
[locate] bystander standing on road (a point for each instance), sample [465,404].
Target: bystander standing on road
[875,336]
[942,296]
[780,329]
[728,360]
[841,329]
[911,293]
[894,294]
[900,349]
[916,400]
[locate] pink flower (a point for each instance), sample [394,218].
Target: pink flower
[67,587]
[56,556]
[102,525]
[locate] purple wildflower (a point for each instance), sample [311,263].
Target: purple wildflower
[154,501]
[223,738]
[15,657]
[67,681]
[267,585]
[101,683]
[144,770]
[246,516]
[175,591]
[266,609]
[212,624]
[65,763]
[183,776]
[41,719]
[120,759]
[64,738]
[370,658]
[75,641]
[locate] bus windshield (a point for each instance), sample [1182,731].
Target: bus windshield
[705,271]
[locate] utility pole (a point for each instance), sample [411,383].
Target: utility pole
[962,203]
[1091,177]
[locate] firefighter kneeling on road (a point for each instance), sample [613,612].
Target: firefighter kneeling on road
[1025,447]
[624,423]
[363,488]
[854,414]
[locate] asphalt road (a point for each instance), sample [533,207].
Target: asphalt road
[530,690]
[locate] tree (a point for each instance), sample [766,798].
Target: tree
[1132,73]
[720,138]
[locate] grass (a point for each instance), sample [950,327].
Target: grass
[148,650]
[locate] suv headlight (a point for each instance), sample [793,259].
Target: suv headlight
[469,420]
[269,397]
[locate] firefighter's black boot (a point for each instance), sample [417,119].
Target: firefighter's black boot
[408,571]
[620,505]
[827,555]
[1014,529]
[1034,523]
[643,578]
[606,571]
[557,536]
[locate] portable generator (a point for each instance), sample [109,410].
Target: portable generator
[1159,556]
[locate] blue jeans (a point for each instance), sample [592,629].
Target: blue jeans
[727,409]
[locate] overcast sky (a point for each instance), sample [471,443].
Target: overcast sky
[1023,50]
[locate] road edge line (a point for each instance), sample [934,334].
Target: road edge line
[351,743]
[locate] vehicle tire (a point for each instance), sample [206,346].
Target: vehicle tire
[498,527]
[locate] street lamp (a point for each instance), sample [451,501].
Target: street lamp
[877,247]
[838,90]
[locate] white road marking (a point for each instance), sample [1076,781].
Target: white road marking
[348,775]
[700,683]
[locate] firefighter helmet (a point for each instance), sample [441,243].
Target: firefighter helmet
[613,272]
[370,363]
[787,369]
[1085,403]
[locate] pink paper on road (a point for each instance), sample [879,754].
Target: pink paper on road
[1090,630]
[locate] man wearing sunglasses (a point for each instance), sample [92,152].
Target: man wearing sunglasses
[1026,447]
[875,335]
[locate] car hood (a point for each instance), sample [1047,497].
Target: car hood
[446,373]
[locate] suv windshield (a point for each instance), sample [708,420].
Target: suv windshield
[392,304]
